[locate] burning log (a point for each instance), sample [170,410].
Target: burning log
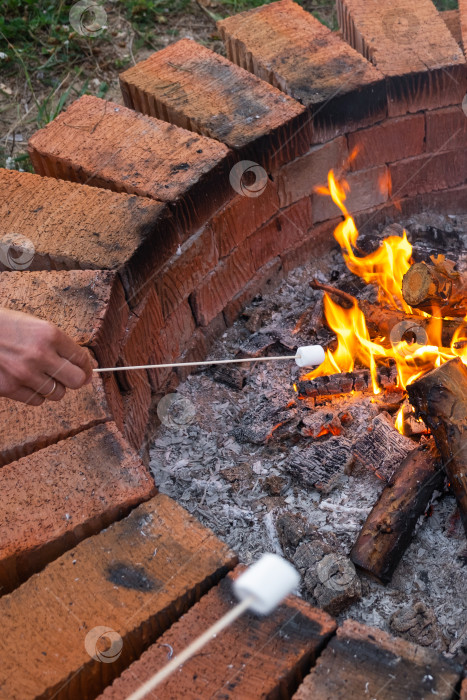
[440,398]
[380,320]
[389,527]
[346,382]
[436,288]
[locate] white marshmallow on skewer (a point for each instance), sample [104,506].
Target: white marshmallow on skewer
[267,582]
[310,356]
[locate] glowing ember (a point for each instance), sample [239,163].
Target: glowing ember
[385,268]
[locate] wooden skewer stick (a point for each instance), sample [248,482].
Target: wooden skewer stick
[308,356]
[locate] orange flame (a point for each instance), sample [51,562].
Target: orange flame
[385,268]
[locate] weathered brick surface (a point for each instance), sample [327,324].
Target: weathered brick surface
[368,188]
[195,88]
[463,695]
[265,278]
[463,22]
[199,344]
[241,217]
[319,241]
[104,144]
[427,173]
[88,305]
[452,20]
[362,661]
[85,483]
[291,49]
[171,343]
[299,178]
[257,657]
[237,269]
[446,129]
[412,42]
[74,226]
[184,270]
[137,577]
[26,429]
[392,140]
[136,404]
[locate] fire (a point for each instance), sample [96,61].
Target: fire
[384,268]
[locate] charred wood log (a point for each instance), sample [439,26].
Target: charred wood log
[346,382]
[381,320]
[440,398]
[436,288]
[389,527]
[382,448]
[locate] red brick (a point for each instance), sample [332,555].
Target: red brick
[446,130]
[362,661]
[195,88]
[86,482]
[198,346]
[411,45]
[368,188]
[26,429]
[300,177]
[237,269]
[254,658]
[136,577]
[320,240]
[172,341]
[266,277]
[103,144]
[452,20]
[288,47]
[185,270]
[242,217]
[463,695]
[463,22]
[88,305]
[427,173]
[136,404]
[392,140]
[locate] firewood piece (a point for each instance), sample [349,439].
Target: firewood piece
[380,320]
[318,465]
[346,382]
[264,422]
[440,398]
[233,377]
[256,346]
[382,448]
[319,423]
[389,527]
[436,288]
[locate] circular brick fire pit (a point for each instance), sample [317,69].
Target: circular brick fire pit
[150,226]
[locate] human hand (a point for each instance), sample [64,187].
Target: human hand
[33,355]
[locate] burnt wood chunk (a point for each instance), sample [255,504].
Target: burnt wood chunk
[364,662]
[189,85]
[232,376]
[288,47]
[412,45]
[440,398]
[389,527]
[382,448]
[257,345]
[346,382]
[436,288]
[319,464]
[104,144]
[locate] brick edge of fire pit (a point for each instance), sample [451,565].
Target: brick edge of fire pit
[166,270]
